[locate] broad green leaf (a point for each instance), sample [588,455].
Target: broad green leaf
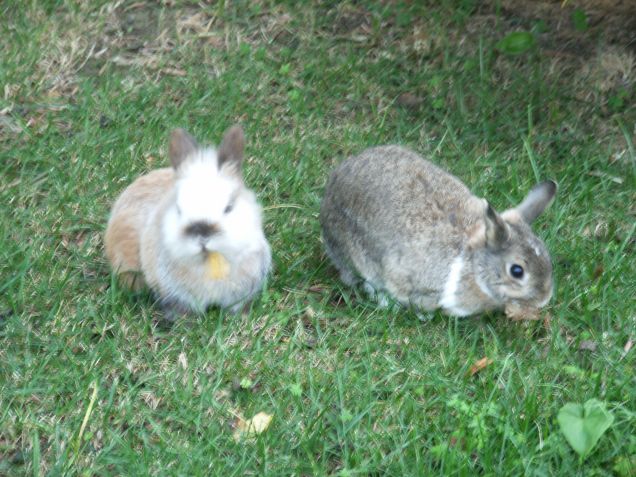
[540,27]
[574,371]
[516,42]
[403,19]
[438,103]
[346,416]
[439,450]
[579,18]
[583,425]
[617,101]
[296,390]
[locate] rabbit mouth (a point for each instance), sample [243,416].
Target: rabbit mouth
[206,252]
[207,247]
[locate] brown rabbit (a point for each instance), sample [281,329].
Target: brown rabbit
[406,228]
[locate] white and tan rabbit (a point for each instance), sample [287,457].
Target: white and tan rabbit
[406,228]
[193,232]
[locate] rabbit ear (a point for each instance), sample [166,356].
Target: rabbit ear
[539,197]
[497,232]
[182,145]
[230,152]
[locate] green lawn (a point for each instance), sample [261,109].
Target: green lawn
[91,385]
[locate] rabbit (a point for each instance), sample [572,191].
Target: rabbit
[407,229]
[193,232]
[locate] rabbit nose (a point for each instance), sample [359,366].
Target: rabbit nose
[202,229]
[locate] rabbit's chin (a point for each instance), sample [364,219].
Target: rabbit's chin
[192,252]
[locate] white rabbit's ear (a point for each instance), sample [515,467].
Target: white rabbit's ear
[230,152]
[497,232]
[182,145]
[537,200]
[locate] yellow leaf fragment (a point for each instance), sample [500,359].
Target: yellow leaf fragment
[218,266]
[250,428]
[479,365]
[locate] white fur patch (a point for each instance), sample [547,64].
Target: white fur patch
[449,301]
[547,299]
[203,193]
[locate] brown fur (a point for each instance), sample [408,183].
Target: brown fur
[401,224]
[123,233]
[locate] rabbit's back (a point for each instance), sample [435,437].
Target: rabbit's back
[397,221]
[130,215]
[391,194]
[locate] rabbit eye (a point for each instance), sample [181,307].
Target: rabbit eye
[516,271]
[228,208]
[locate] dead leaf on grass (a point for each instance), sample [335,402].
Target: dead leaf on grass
[250,428]
[150,399]
[587,345]
[173,71]
[183,360]
[627,347]
[480,364]
[409,100]
[547,320]
[317,288]
[598,272]
[617,180]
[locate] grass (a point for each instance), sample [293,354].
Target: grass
[90,385]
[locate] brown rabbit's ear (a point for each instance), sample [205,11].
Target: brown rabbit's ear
[537,200]
[182,145]
[497,232]
[230,152]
